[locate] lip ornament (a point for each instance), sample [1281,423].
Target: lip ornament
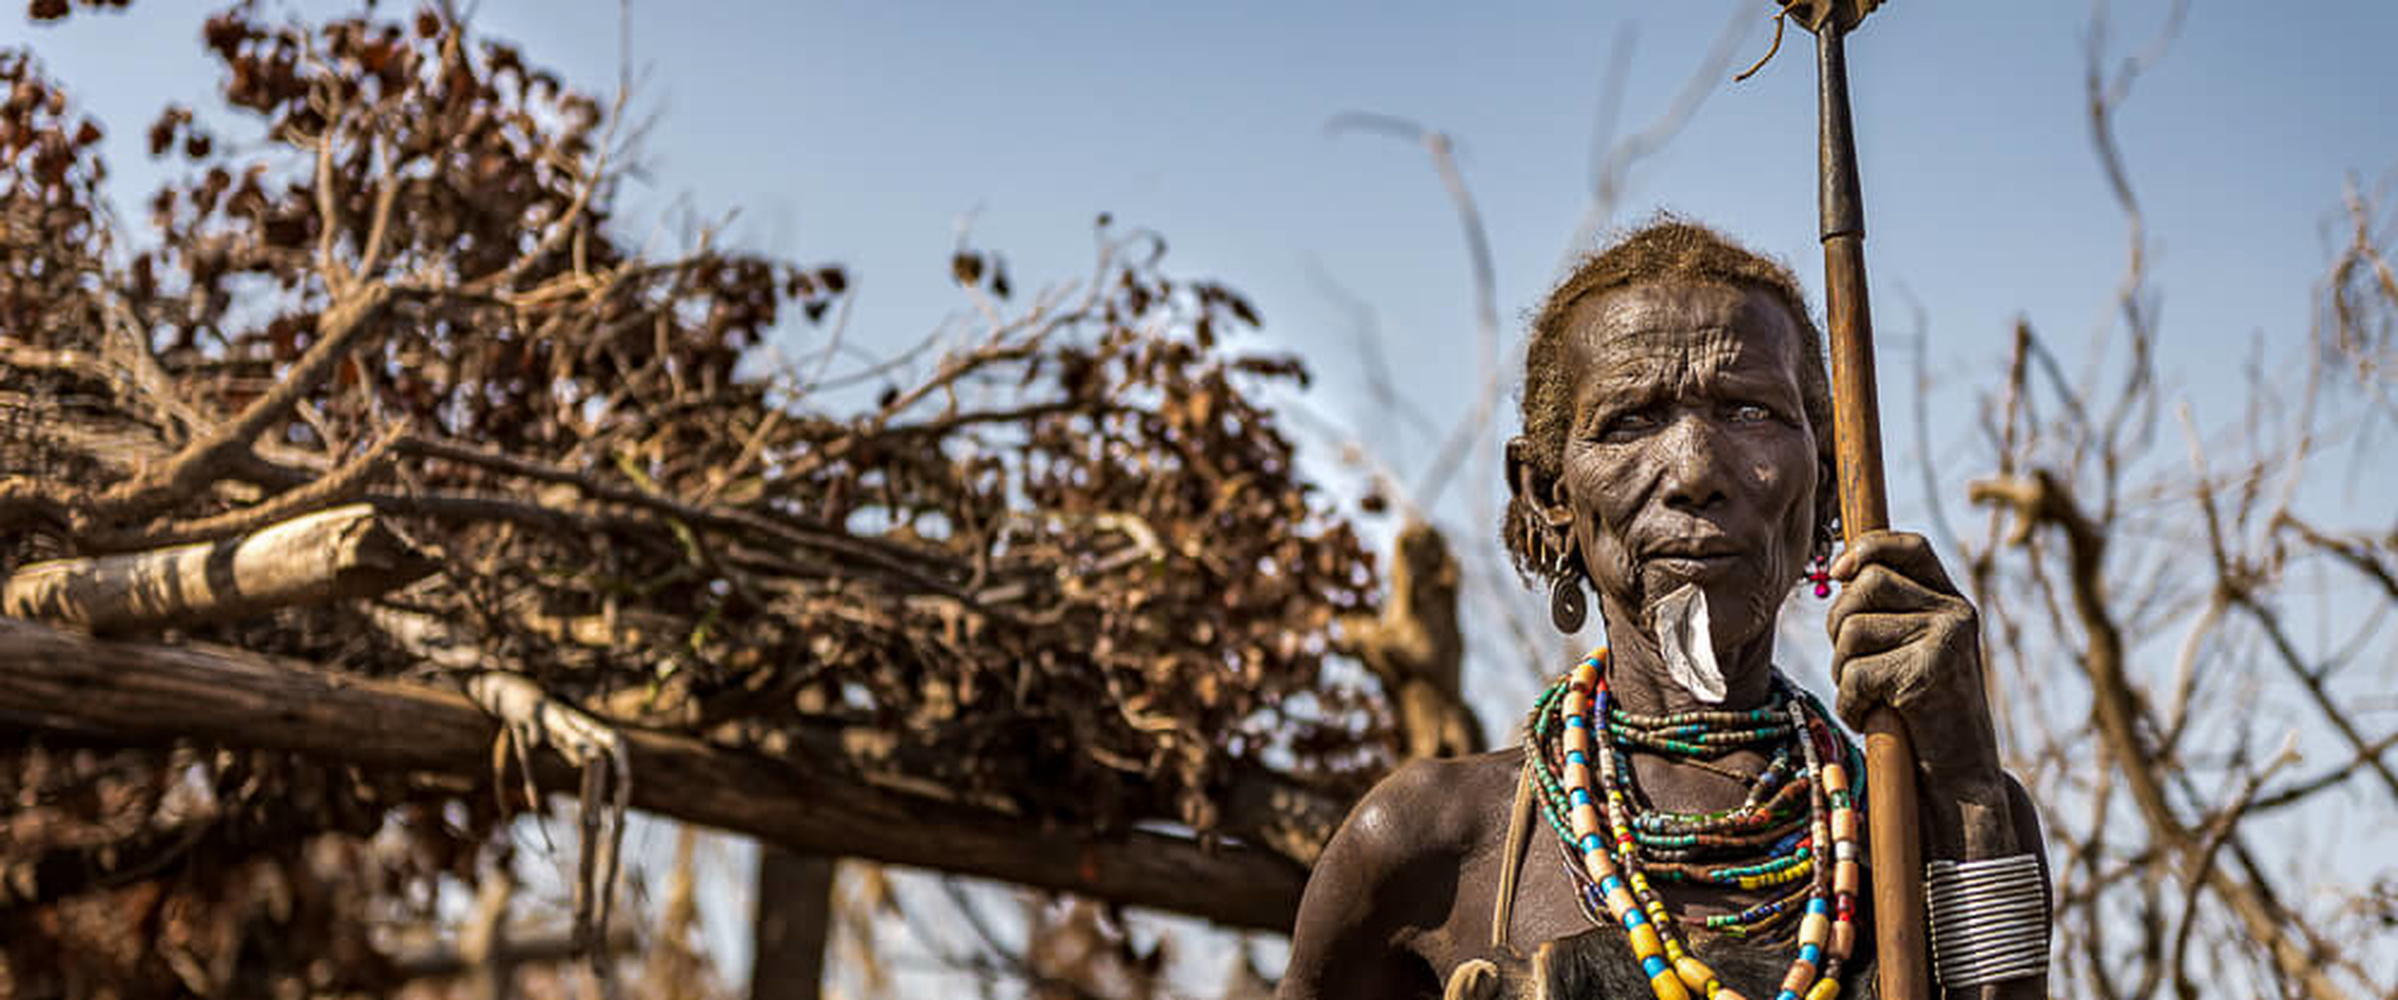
[1684,636]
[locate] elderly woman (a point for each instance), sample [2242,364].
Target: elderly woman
[1682,820]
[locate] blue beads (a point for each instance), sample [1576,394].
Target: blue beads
[1612,883]
[1810,954]
[1577,757]
[1820,906]
[1581,796]
[1786,995]
[1590,842]
[1634,918]
[1654,966]
[1577,722]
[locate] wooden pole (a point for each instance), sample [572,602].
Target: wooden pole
[1898,917]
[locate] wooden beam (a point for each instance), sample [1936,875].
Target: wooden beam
[149,693]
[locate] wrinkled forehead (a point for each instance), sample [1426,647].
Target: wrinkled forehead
[1674,332]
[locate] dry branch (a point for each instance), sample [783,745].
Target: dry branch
[509,948]
[147,693]
[331,555]
[2041,500]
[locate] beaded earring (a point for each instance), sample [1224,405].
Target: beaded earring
[1819,566]
[1819,573]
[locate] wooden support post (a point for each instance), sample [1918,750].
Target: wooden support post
[794,925]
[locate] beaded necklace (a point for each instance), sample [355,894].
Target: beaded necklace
[1789,814]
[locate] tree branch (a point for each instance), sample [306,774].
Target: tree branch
[329,555]
[2041,499]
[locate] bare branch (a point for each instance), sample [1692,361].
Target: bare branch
[338,554]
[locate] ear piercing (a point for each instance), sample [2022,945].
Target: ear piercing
[1566,609]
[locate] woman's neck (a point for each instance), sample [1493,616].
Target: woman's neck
[1638,681]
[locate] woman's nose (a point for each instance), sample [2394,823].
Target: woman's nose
[1695,476]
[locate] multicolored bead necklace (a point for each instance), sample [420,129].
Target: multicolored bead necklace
[1774,838]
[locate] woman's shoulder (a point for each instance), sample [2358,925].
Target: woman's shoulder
[1452,802]
[1430,810]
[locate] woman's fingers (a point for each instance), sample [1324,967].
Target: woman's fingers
[1869,682]
[1902,636]
[1904,552]
[1868,633]
[1879,588]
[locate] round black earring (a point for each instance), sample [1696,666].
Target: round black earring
[1566,608]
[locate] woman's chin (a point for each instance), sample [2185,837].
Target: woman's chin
[1664,575]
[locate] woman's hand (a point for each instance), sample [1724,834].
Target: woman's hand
[1902,636]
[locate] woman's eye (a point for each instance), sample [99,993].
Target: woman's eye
[1627,424]
[1748,413]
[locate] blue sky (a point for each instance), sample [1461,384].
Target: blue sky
[868,134]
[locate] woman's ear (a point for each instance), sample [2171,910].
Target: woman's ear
[1539,492]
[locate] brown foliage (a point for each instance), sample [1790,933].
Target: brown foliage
[1065,570]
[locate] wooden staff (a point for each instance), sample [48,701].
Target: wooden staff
[1898,917]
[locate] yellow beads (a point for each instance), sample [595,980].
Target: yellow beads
[1645,942]
[1696,975]
[1668,986]
[1784,877]
[1825,989]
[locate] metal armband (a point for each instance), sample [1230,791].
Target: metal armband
[1989,919]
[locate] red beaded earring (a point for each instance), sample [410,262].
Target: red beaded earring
[1819,573]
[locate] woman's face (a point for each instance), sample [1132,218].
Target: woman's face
[1689,458]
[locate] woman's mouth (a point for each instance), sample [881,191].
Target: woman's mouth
[1692,564]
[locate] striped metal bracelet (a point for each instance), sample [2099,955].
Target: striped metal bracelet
[1989,918]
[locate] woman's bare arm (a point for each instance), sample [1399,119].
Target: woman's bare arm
[1371,893]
